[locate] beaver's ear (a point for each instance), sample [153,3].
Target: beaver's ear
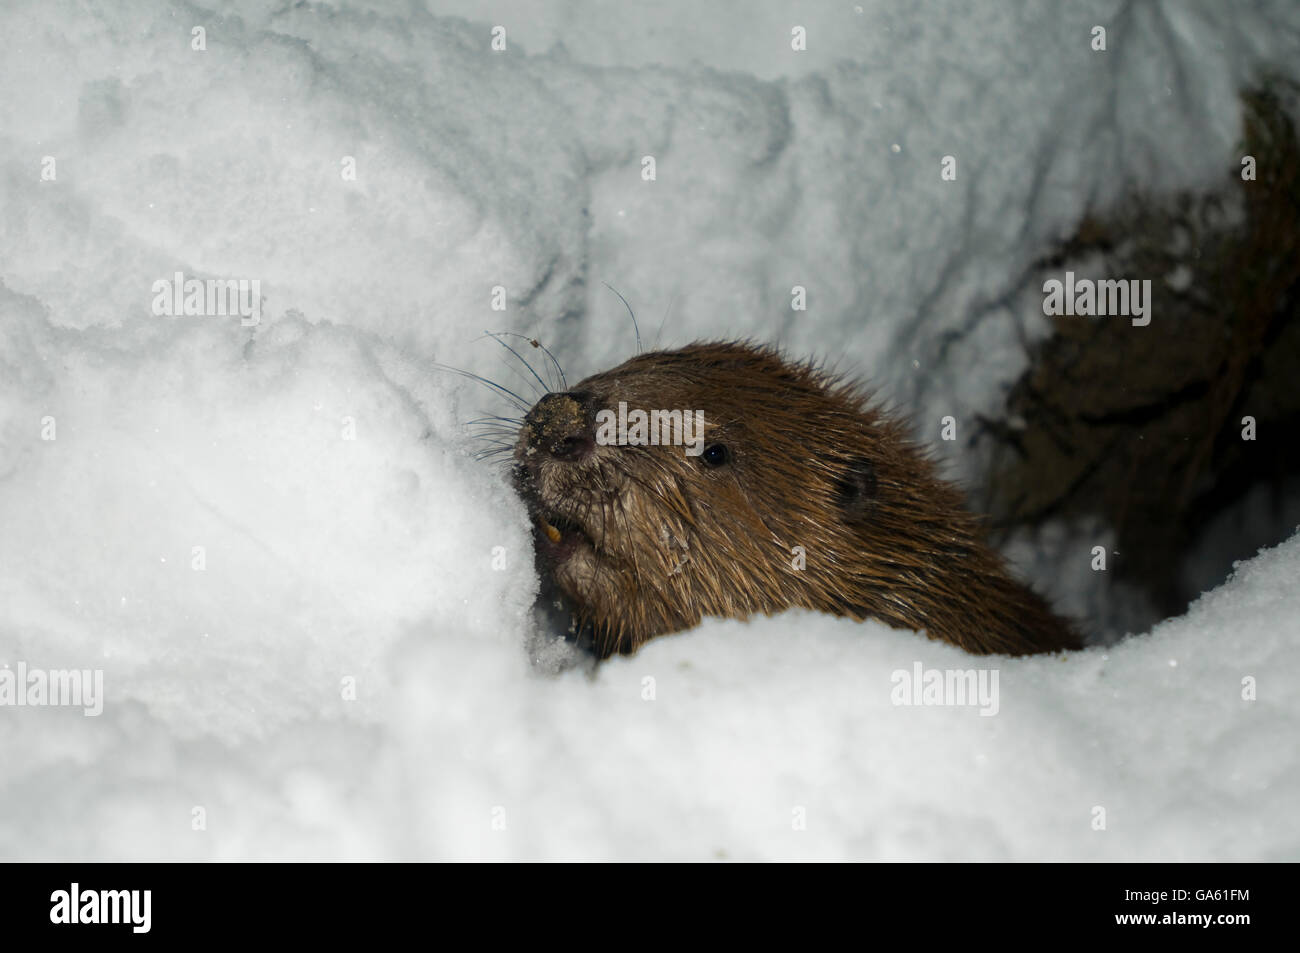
[855,489]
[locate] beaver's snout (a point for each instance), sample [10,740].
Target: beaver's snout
[561,429]
[562,425]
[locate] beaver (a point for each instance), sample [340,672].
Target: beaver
[798,493]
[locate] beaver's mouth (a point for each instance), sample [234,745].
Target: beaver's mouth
[559,536]
[558,533]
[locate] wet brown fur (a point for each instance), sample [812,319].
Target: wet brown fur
[670,540]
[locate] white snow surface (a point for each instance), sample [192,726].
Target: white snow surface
[316,469]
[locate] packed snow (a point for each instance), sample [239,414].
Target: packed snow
[312,606]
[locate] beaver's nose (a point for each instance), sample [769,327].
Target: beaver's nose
[562,425]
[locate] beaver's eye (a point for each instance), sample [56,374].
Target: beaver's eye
[716,454]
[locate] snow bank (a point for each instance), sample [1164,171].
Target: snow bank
[310,604]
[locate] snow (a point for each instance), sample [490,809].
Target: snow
[243,527]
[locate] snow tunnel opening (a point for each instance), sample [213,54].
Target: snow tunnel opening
[1175,435]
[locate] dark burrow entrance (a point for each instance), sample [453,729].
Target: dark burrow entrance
[1145,429]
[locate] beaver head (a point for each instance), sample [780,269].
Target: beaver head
[742,482]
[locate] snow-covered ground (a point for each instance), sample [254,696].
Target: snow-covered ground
[273,540]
